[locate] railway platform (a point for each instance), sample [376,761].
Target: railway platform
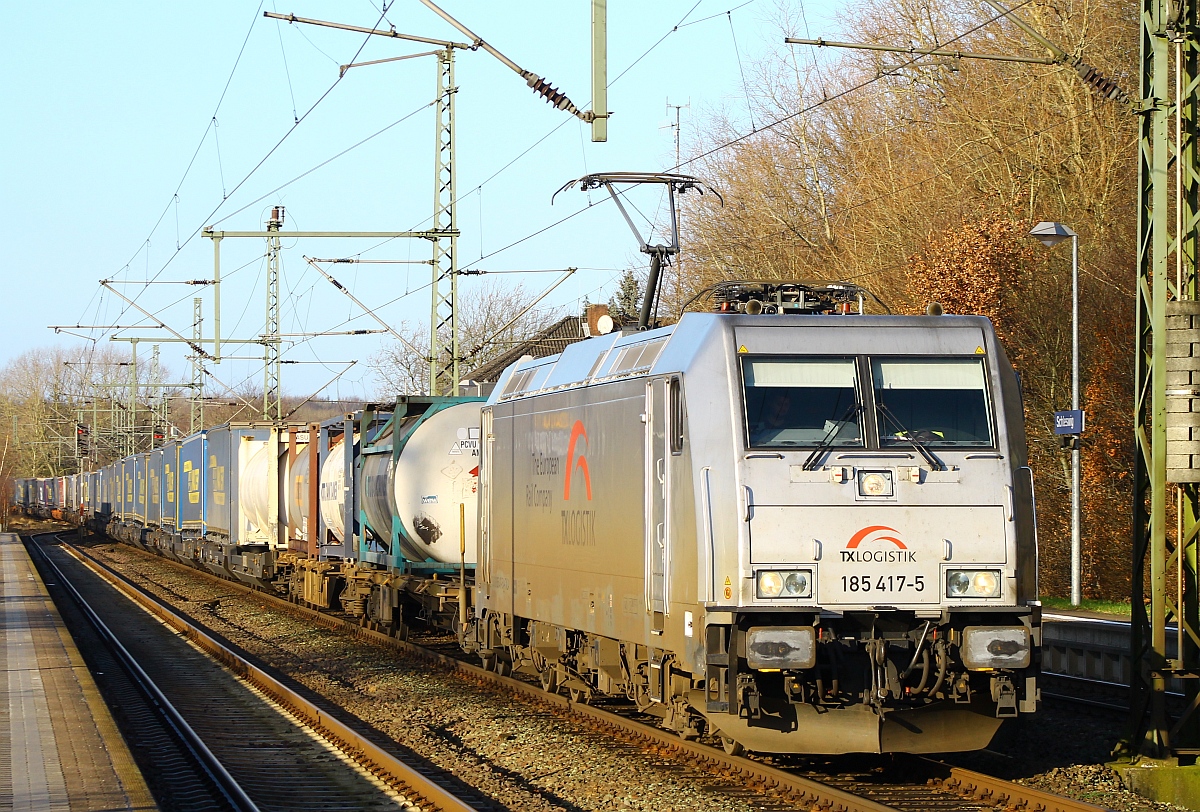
[60,750]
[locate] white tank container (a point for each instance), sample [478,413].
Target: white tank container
[293,502]
[252,488]
[438,470]
[296,491]
[332,494]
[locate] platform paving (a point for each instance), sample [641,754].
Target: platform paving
[60,750]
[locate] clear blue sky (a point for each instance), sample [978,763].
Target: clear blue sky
[108,105]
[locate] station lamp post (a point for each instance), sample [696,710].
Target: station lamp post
[1051,234]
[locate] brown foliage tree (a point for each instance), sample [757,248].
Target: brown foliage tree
[919,178]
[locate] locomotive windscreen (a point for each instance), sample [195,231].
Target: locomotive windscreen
[936,401]
[792,402]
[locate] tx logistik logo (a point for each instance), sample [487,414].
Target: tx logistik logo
[580,462]
[578,526]
[874,533]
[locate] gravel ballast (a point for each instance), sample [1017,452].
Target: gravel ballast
[529,757]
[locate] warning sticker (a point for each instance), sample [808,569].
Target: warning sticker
[467,447]
[468,442]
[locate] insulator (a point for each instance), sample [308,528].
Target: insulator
[551,94]
[1101,84]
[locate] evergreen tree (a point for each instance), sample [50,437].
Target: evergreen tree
[627,301]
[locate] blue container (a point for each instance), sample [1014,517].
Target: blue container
[191,482]
[154,483]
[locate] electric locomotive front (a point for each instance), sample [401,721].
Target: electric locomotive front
[884,583]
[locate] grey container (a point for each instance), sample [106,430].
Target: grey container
[229,448]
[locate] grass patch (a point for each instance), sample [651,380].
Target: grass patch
[1115,608]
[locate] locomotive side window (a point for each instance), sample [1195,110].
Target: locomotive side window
[935,401]
[809,402]
[676,417]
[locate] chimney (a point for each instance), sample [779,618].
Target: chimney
[593,314]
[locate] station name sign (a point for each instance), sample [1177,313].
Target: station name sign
[1068,422]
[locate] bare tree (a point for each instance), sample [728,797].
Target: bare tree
[491,319]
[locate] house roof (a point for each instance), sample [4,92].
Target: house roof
[550,341]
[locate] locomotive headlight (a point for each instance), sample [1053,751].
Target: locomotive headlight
[957,584]
[795,584]
[770,584]
[985,583]
[875,483]
[784,583]
[972,583]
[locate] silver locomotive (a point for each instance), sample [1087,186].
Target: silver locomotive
[805,533]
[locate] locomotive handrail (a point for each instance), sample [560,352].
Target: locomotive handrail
[709,563]
[882,455]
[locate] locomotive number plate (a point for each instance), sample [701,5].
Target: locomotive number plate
[906,584]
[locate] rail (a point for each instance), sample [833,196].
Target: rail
[210,765]
[362,750]
[945,780]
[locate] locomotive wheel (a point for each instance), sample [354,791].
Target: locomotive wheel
[732,747]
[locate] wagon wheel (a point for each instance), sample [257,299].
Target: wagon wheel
[580,696]
[731,746]
[547,672]
[488,661]
[503,666]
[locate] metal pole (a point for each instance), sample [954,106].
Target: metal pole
[1148,638]
[271,343]
[444,295]
[197,405]
[131,436]
[600,70]
[155,395]
[216,300]
[1076,542]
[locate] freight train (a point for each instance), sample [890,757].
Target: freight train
[785,523]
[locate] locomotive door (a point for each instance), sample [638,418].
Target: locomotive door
[656,489]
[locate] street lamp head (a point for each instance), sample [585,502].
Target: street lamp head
[1051,234]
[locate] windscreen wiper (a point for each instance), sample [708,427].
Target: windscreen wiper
[904,433]
[814,459]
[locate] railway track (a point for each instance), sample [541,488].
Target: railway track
[224,734]
[845,784]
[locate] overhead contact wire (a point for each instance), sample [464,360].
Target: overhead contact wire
[286,72]
[839,95]
[204,135]
[258,165]
[681,24]
[745,87]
